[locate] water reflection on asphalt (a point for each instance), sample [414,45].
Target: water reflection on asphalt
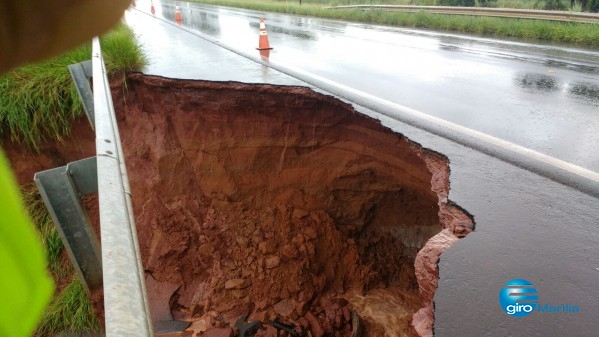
[540,96]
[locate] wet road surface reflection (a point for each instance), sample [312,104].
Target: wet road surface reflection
[543,97]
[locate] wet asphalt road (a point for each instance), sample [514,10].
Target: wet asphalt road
[527,226]
[542,97]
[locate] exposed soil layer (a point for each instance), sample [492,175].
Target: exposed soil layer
[26,162]
[284,204]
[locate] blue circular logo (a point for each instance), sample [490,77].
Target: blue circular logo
[518,298]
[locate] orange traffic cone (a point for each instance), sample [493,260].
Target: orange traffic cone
[263,43]
[178,16]
[265,54]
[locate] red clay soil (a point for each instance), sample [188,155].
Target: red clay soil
[26,162]
[277,202]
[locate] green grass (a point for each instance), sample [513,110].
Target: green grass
[520,4]
[38,101]
[69,311]
[121,52]
[537,30]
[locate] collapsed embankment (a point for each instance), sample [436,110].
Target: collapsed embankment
[281,203]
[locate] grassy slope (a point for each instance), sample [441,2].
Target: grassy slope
[577,33]
[38,102]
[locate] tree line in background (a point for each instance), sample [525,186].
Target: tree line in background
[585,5]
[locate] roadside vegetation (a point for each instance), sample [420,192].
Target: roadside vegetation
[582,34]
[69,312]
[38,102]
[574,5]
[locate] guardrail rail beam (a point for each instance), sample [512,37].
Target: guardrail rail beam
[125,301]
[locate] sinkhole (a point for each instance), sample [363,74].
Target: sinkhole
[285,205]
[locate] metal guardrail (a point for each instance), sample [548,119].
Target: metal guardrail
[117,269]
[61,189]
[125,301]
[483,11]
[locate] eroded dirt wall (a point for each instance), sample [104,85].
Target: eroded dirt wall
[260,197]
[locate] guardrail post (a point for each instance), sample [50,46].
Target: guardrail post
[61,189]
[81,73]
